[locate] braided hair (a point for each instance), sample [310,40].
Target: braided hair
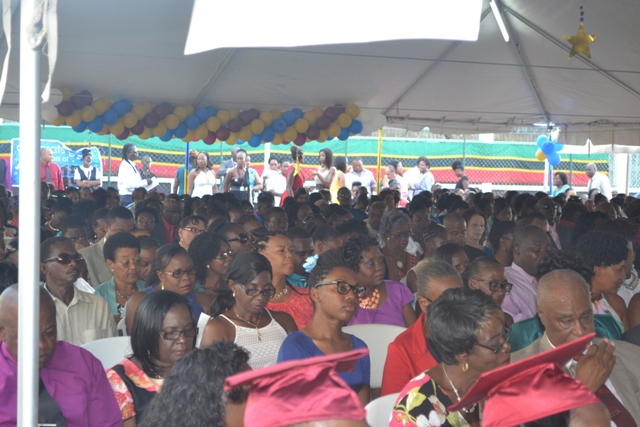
[354,248]
[327,262]
[259,238]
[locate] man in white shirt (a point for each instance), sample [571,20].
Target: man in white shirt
[359,173]
[129,177]
[598,180]
[87,175]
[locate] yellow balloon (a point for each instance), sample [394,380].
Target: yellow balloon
[319,112]
[334,129]
[301,125]
[290,134]
[344,120]
[129,120]
[181,112]
[147,106]
[172,121]
[245,134]
[323,136]
[233,113]
[66,93]
[146,134]
[74,119]
[117,128]
[266,117]
[58,121]
[139,110]
[233,138]
[160,130]
[189,136]
[540,155]
[256,126]
[276,114]
[189,109]
[101,105]
[310,116]
[224,116]
[201,132]
[104,130]
[88,113]
[213,124]
[353,110]
[277,139]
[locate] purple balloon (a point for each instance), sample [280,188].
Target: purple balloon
[246,117]
[151,120]
[313,133]
[255,113]
[210,138]
[341,109]
[87,98]
[235,125]
[77,102]
[124,135]
[300,139]
[323,123]
[137,129]
[223,134]
[332,113]
[65,108]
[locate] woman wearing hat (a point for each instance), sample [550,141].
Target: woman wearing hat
[87,175]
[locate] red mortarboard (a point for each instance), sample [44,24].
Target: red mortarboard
[300,391]
[530,389]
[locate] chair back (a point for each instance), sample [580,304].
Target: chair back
[377,337]
[379,410]
[110,351]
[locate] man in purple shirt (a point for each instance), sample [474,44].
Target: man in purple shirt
[530,244]
[73,385]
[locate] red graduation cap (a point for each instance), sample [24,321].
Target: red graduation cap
[300,391]
[530,389]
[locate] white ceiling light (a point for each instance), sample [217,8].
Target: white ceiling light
[496,13]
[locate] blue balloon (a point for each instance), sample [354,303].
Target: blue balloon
[356,126]
[96,125]
[298,113]
[289,117]
[192,122]
[267,135]
[344,134]
[554,159]
[181,131]
[212,111]
[120,108]
[202,114]
[167,136]
[240,142]
[127,104]
[110,117]
[548,148]
[255,140]
[541,140]
[81,127]
[329,138]
[559,147]
[279,125]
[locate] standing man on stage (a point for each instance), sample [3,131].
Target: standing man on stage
[598,180]
[49,171]
[227,165]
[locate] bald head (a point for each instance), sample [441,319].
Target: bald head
[457,228]
[591,169]
[46,155]
[555,284]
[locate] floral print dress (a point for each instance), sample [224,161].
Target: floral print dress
[421,403]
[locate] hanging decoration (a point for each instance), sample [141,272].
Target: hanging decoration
[165,121]
[548,150]
[581,41]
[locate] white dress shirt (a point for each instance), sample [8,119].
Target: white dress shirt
[129,178]
[365,178]
[601,182]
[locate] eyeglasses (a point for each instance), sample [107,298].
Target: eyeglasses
[175,335]
[242,238]
[312,217]
[225,255]
[268,291]
[65,259]
[547,207]
[127,264]
[401,236]
[496,286]
[344,288]
[193,230]
[507,334]
[191,271]
[147,222]
[175,198]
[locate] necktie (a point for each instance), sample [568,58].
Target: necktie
[47,174]
[49,413]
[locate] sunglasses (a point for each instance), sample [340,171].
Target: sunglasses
[496,286]
[191,271]
[175,335]
[225,255]
[242,238]
[344,288]
[65,259]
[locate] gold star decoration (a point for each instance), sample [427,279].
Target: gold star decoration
[580,42]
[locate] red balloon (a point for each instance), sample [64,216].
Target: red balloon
[246,117]
[151,120]
[65,108]
[313,133]
[323,123]
[300,139]
[210,139]
[235,125]
[223,134]
[124,135]
[137,129]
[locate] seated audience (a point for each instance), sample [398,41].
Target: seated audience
[189,228]
[148,248]
[302,248]
[401,252]
[500,241]
[454,255]
[8,275]
[487,275]
[162,333]
[434,236]
[238,313]
[61,209]
[236,237]
[326,238]
[275,219]
[457,228]
[74,390]
[335,294]
[249,223]
[211,256]
[476,228]
[297,213]
[74,229]
[376,210]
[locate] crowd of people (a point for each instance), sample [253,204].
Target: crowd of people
[236,311]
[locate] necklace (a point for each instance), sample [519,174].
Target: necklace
[123,296]
[372,301]
[281,295]
[455,390]
[48,224]
[254,325]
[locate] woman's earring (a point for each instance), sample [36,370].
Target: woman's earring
[208,266]
[465,367]
[161,286]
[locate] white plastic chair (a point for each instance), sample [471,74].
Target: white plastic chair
[377,338]
[110,351]
[379,410]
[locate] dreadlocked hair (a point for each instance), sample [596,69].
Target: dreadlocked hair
[326,263]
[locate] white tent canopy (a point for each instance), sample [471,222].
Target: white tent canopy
[136,49]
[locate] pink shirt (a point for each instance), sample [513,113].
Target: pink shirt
[520,303]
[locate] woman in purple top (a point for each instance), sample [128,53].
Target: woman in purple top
[385,302]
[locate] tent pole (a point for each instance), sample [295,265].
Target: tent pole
[379,159]
[464,151]
[626,190]
[109,176]
[186,169]
[29,274]
[570,170]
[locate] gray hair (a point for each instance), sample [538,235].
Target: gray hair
[428,270]
[390,220]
